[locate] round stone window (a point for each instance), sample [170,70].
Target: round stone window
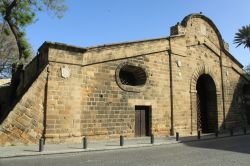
[130,77]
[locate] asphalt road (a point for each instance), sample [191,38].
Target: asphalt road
[233,151]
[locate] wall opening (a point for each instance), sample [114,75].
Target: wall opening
[132,75]
[207,115]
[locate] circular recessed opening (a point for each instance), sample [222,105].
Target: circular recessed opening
[132,75]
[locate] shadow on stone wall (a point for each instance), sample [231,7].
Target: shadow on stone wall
[237,105]
[22,79]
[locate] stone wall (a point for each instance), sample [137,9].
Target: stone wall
[79,91]
[90,102]
[23,102]
[233,90]
[204,55]
[24,124]
[200,55]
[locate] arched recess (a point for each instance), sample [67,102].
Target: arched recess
[198,72]
[208,74]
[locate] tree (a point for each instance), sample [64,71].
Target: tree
[20,13]
[247,69]
[242,37]
[8,53]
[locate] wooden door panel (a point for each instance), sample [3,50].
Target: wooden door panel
[137,123]
[143,123]
[147,122]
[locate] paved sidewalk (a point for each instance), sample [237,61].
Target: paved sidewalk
[33,150]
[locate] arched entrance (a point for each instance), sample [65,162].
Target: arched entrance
[207,114]
[246,94]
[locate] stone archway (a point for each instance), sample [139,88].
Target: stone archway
[205,118]
[207,115]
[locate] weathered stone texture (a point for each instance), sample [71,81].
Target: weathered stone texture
[90,103]
[24,124]
[84,95]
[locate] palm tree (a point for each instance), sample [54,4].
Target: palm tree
[242,37]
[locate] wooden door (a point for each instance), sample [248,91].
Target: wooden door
[137,123]
[142,127]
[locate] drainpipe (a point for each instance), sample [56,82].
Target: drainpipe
[171,88]
[45,104]
[223,95]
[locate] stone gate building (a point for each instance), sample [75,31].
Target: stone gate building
[182,83]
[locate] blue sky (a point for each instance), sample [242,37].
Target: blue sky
[94,22]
